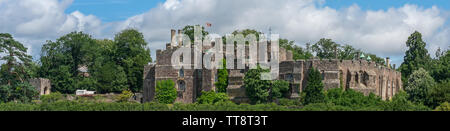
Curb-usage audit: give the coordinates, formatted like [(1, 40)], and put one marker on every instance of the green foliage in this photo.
[(440, 93), (111, 78), (17, 60), (325, 48), (263, 91), (419, 85), (124, 96), (166, 92), (351, 98), (222, 82), (189, 31), (400, 102), (279, 89), (132, 53), (22, 92), (53, 97), (297, 51), (212, 97), (314, 89), (61, 59), (440, 67), (443, 107), (256, 88), (289, 102), (416, 56), (113, 66)]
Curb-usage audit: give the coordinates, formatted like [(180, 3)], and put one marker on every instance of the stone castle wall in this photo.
[(360, 75)]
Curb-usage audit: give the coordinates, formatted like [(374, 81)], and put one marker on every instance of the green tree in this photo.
[(314, 92), (325, 48), (440, 93), (132, 53), (347, 52), (416, 56), (111, 78), (263, 91), (222, 82), (166, 92), (419, 86), (297, 51), (256, 88), (16, 58), (400, 102), (189, 31), (279, 89), (440, 67), (61, 59)]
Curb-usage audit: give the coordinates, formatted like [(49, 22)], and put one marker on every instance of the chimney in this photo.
[(357, 55), (180, 39), (172, 37), (335, 52), (394, 67), (388, 62)]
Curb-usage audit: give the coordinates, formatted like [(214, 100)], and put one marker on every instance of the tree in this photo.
[(256, 88), (189, 30), (325, 49), (440, 93), (297, 51), (419, 86), (111, 78), (222, 82), (132, 53), (279, 89), (16, 58), (262, 91), (61, 59), (165, 92), (440, 67), (347, 52), (416, 56), (21, 92), (314, 89)]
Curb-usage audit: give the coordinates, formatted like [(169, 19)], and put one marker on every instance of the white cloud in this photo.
[(383, 32), (35, 21)]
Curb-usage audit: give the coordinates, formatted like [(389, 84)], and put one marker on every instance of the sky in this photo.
[(376, 26)]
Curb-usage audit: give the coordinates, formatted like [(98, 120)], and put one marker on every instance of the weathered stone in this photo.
[(360, 75)]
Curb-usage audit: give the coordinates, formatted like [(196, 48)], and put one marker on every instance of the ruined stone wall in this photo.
[(43, 86), (360, 75)]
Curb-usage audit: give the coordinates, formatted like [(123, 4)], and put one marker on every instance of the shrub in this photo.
[(279, 89), (166, 92), (222, 82), (53, 97), (314, 90), (289, 102), (400, 103), (125, 96), (212, 97), (443, 107)]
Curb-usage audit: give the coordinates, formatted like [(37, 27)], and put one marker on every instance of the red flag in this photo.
[(208, 24)]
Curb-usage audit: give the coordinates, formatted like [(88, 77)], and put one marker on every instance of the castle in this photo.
[(360, 75)]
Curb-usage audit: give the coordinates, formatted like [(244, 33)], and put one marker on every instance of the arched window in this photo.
[(181, 85)]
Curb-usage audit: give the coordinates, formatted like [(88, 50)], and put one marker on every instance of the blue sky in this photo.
[(113, 10), (117, 10)]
